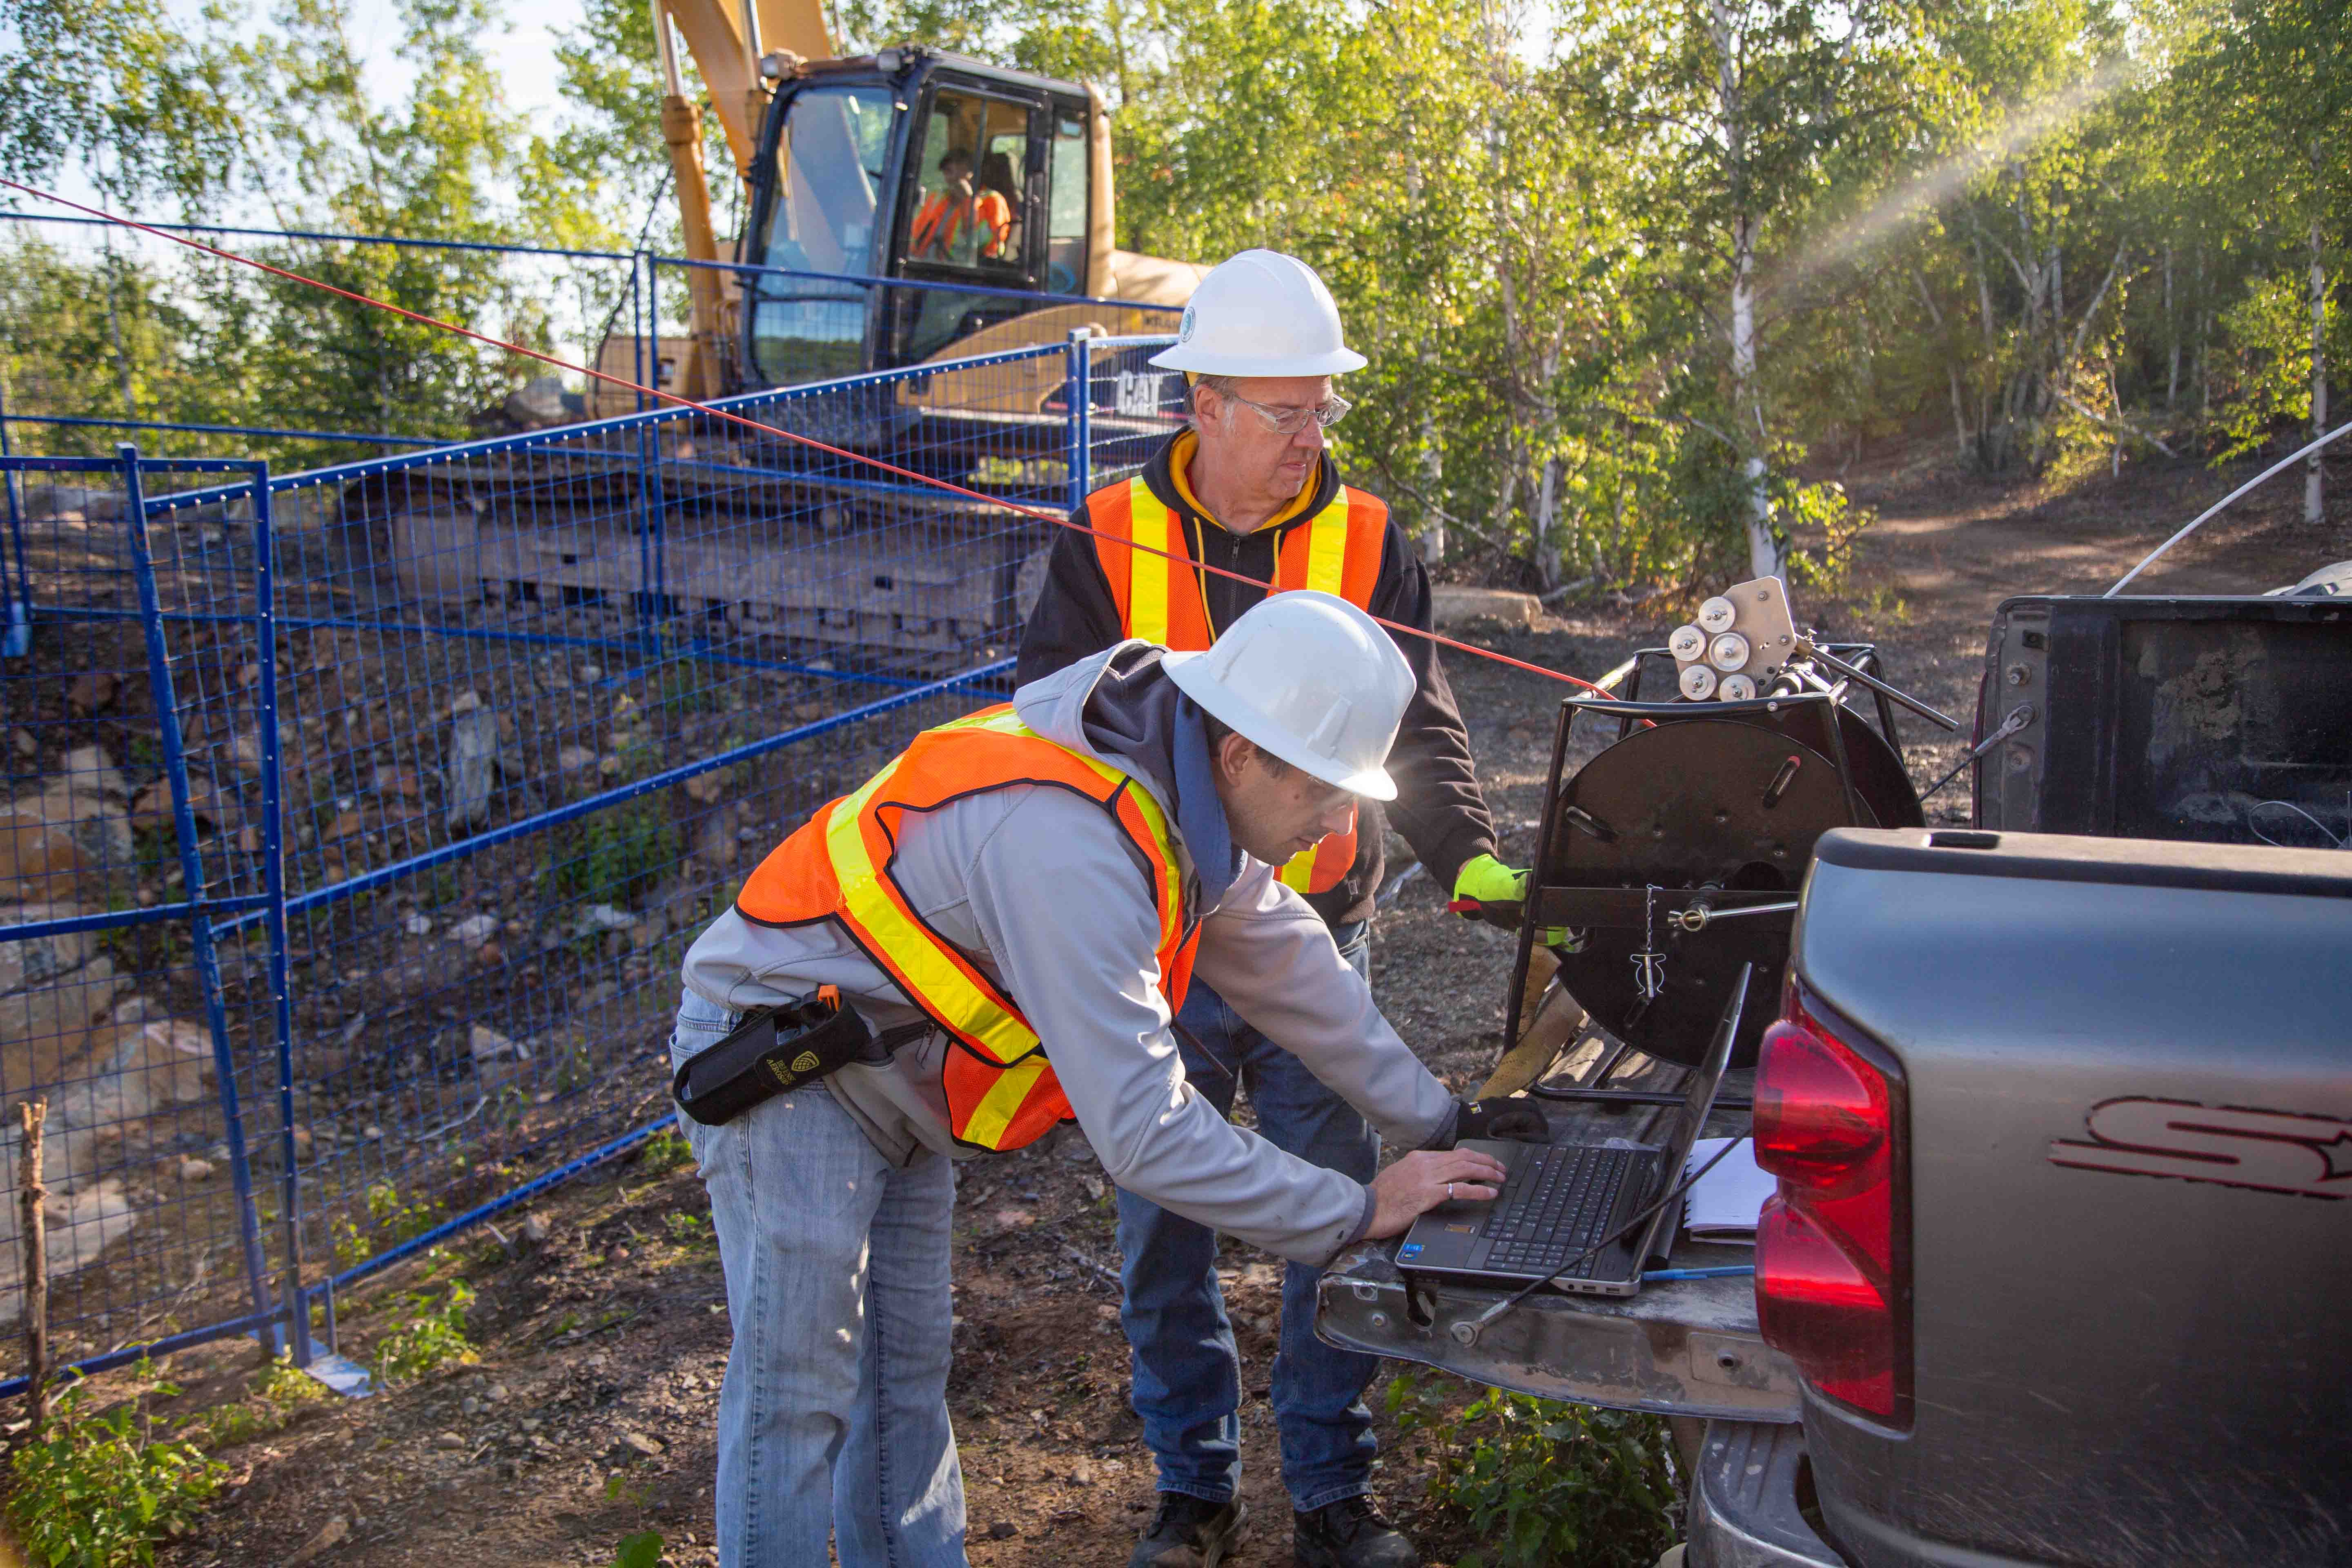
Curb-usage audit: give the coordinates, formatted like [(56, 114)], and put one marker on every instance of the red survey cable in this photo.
[(766, 430)]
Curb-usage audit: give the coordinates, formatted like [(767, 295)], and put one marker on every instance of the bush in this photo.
[(1542, 1482), (102, 1492), (434, 1336)]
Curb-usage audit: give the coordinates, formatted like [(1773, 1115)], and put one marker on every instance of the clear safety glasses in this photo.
[(1291, 421)]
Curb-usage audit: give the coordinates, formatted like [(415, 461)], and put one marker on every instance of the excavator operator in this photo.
[(958, 223)]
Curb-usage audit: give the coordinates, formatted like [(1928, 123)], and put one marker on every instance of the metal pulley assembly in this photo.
[(1678, 851)]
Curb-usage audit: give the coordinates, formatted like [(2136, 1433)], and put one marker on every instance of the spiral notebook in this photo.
[(1722, 1207)]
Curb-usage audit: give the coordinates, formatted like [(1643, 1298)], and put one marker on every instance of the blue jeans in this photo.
[(1187, 1376), (834, 1416)]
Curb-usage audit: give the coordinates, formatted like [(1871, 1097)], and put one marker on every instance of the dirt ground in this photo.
[(589, 1414)]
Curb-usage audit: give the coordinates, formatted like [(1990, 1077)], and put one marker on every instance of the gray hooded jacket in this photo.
[(1044, 891)]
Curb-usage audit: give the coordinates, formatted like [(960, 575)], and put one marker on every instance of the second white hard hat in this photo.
[(1311, 679), (1260, 313)]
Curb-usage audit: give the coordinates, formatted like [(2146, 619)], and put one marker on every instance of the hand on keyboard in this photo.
[(1418, 1182)]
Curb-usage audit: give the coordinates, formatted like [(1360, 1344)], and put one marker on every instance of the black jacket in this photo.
[(1438, 807)]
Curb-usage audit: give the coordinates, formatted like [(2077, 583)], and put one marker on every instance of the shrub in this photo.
[(102, 1491), (1541, 1481), (434, 1336)]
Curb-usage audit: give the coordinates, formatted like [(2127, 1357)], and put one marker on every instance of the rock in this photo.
[(91, 690), (419, 924), (490, 955), (572, 759), (1003, 1530), (245, 751), (475, 929), (401, 781), (714, 840), (534, 1229), (88, 769), (489, 1045), (470, 1405), (1452, 604), (542, 402), (643, 1444), (25, 746), (707, 787), (194, 1170), (496, 1393), (449, 1440), (42, 960), (44, 1027), (472, 755), (330, 1534), (1082, 1473), (1095, 1188), (347, 824), (370, 1132), (606, 917)]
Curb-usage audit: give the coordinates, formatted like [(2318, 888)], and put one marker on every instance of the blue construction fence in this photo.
[(357, 819)]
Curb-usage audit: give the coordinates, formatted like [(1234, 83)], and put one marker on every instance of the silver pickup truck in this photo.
[(2059, 1270)]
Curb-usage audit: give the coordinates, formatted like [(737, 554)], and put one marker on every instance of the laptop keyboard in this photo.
[(1556, 1206)]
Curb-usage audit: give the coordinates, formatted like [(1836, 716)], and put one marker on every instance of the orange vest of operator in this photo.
[(939, 224), (1337, 550), (1001, 1091)]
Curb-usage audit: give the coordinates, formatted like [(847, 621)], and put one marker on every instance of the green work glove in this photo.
[(1485, 880)]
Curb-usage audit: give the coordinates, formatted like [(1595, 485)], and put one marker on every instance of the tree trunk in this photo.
[(1547, 547), (1764, 554), (2172, 333), (2315, 481)]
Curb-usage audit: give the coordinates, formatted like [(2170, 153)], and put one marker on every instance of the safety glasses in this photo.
[(1291, 421)]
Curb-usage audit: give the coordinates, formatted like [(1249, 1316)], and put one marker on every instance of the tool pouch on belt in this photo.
[(772, 1050)]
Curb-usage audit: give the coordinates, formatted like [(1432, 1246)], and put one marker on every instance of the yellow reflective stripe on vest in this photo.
[(1327, 546), (1149, 523), (944, 989), (941, 986)]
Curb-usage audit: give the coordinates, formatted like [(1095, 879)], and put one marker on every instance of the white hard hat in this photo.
[(1311, 679), (1260, 313)]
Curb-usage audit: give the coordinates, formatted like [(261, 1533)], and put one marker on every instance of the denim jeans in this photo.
[(834, 1416), (1187, 1374)]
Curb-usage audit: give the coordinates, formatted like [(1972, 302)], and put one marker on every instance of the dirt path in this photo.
[(589, 1414)]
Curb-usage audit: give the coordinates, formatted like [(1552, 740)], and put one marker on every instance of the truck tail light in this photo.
[(1833, 1265)]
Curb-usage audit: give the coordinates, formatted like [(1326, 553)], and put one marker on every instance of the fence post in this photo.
[(191, 872), (32, 1199), (17, 626), (273, 877), (1081, 415), (637, 325)]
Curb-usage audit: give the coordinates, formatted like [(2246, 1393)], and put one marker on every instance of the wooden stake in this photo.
[(32, 1197)]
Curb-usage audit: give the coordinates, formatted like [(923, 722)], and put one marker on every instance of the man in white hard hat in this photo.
[(989, 937), (1249, 488)]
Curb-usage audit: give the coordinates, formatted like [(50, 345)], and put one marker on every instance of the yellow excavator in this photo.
[(865, 179), (908, 164)]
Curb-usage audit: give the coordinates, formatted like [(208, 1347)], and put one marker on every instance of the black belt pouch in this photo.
[(772, 1050)]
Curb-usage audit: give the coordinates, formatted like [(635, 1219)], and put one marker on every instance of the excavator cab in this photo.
[(920, 165)]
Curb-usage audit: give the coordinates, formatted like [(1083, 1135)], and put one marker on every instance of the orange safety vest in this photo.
[(940, 223), (1000, 1090), (1337, 550)]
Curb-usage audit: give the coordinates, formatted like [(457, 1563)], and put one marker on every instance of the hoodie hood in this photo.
[(1120, 707)]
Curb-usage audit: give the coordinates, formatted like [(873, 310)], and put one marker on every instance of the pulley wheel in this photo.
[(1696, 803)]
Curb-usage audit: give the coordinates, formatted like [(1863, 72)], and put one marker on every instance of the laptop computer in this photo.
[(1558, 1199)]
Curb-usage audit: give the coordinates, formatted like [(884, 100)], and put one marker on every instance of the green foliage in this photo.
[(664, 1151), (391, 1220), (613, 855), (102, 1491), (641, 1550), (1540, 1482), (434, 1336), (282, 1390)]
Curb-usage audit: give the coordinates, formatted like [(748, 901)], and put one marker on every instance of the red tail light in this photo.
[(1833, 1291)]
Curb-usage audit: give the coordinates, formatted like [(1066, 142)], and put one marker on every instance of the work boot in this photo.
[(1189, 1532), (1351, 1533)]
